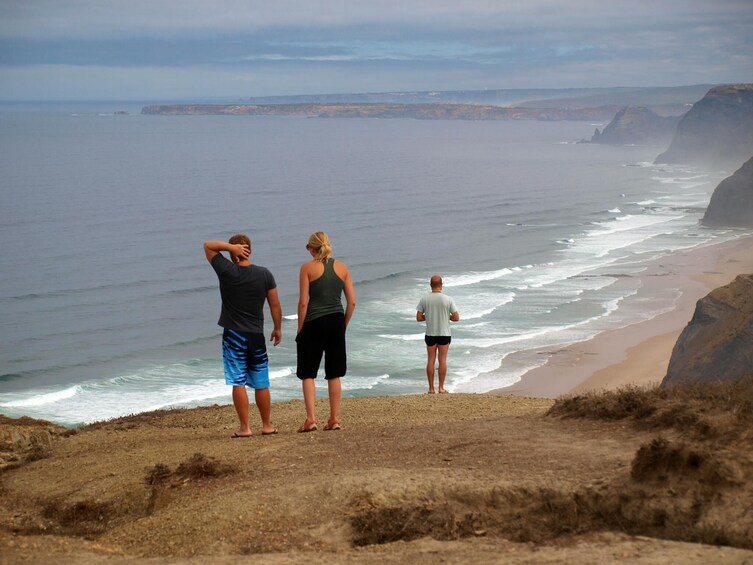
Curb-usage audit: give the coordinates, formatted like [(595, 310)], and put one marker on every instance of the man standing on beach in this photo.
[(244, 288), (437, 310)]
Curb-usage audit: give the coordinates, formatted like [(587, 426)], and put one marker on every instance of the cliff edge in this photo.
[(717, 131), (731, 203), (637, 124), (717, 343)]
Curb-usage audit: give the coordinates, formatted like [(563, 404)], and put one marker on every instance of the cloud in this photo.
[(343, 46)]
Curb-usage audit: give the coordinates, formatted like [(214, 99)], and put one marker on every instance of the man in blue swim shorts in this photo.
[(437, 310), (244, 288)]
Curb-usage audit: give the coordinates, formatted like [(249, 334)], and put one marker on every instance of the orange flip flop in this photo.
[(307, 427), (332, 425)]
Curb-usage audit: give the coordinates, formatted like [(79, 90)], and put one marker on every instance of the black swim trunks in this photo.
[(432, 340)]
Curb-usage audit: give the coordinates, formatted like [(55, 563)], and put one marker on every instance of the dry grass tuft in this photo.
[(660, 459), (199, 466), (37, 452), (158, 474), (676, 485), (82, 518), (628, 402), (407, 523), (717, 410)]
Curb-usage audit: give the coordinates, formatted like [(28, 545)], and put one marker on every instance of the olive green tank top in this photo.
[(325, 293)]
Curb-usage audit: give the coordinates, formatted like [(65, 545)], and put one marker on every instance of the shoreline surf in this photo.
[(638, 354)]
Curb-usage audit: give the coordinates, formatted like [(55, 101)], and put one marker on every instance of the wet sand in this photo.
[(639, 354)]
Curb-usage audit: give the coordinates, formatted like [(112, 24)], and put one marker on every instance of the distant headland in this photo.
[(440, 111), (597, 104)]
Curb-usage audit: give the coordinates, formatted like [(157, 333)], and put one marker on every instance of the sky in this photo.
[(155, 50)]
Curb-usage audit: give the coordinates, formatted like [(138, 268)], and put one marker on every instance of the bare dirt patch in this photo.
[(408, 479)]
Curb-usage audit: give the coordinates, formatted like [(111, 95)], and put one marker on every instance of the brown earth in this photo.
[(640, 478)]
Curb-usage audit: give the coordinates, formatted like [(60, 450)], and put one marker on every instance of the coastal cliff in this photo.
[(716, 343), (717, 131), (413, 111), (731, 203), (639, 125)]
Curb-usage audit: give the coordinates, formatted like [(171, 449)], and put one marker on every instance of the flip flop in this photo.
[(236, 435), (273, 432), (307, 427), (331, 426)]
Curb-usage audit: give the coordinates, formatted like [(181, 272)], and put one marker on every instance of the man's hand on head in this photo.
[(241, 251)]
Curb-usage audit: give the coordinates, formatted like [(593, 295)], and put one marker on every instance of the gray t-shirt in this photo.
[(437, 308), (243, 291)]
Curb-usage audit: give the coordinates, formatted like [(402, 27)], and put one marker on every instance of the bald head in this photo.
[(436, 282)]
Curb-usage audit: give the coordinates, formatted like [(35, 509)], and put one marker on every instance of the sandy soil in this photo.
[(412, 479), (639, 354)]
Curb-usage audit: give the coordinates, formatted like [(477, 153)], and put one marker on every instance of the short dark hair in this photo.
[(241, 238)]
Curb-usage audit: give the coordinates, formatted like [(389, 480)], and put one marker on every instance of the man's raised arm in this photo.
[(214, 247)]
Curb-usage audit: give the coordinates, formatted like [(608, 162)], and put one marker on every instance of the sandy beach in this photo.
[(639, 354)]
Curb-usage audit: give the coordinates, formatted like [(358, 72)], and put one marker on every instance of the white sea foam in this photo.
[(176, 385), (43, 398), (479, 305), (629, 222), (364, 383), (280, 373), (474, 278), (403, 337), (187, 395), (467, 326)]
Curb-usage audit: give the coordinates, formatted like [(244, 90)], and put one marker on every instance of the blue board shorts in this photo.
[(244, 357)]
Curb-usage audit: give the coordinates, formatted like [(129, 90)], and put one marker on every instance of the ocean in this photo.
[(109, 307)]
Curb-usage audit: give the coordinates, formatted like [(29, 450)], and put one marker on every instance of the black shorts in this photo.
[(322, 336), (432, 340)]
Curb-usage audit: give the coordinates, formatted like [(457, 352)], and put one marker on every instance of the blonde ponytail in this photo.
[(320, 243)]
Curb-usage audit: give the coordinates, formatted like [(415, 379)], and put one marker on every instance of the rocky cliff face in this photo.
[(717, 131), (732, 201), (717, 344), (636, 124)]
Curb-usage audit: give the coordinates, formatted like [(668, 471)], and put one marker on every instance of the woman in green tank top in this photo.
[(322, 321)]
